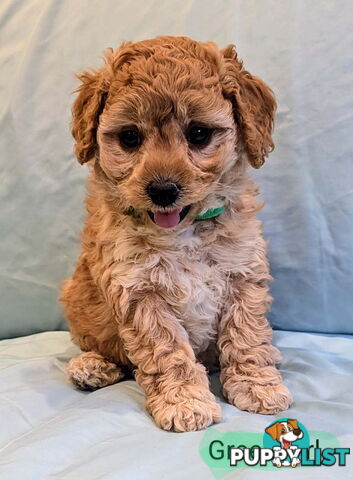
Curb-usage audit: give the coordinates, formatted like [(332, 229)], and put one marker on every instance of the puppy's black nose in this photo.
[(297, 431), (163, 193)]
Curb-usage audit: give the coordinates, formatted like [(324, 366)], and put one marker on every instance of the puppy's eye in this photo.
[(130, 138), (198, 136)]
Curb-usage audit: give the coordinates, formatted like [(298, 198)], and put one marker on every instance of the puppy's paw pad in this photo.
[(255, 398), (90, 371)]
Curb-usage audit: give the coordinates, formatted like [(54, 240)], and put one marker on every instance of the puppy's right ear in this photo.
[(86, 110), (273, 430)]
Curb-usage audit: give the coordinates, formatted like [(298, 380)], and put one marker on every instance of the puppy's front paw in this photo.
[(255, 398), (184, 408), (90, 371)]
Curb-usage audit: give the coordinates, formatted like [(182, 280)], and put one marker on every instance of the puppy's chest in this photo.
[(188, 281), (195, 290)]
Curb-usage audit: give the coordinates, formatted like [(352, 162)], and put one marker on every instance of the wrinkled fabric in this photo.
[(302, 49), (51, 431)]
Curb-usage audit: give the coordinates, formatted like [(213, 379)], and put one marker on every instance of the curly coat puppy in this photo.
[(173, 264)]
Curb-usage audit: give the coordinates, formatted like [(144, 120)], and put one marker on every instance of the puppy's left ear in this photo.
[(254, 107), (293, 423)]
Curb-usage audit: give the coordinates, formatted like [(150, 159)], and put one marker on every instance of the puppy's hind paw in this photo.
[(90, 371)]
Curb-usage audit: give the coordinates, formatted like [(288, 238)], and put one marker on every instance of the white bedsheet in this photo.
[(50, 431), (302, 49)]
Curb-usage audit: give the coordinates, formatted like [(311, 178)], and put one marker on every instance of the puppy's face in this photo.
[(164, 124), (285, 432), (166, 136)]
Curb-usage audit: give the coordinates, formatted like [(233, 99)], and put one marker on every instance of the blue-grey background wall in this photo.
[(302, 49)]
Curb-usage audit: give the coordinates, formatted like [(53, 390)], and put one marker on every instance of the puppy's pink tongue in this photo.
[(167, 219)]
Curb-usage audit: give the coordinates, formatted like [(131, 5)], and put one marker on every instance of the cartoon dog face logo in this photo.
[(285, 433)]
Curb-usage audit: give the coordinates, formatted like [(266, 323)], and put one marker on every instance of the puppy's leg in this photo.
[(90, 371), (94, 329), (248, 374), (176, 386)]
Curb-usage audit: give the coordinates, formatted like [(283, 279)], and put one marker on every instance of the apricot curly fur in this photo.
[(159, 301), (90, 371)]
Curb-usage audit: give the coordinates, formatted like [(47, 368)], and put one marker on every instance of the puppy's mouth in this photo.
[(286, 443), (169, 219)]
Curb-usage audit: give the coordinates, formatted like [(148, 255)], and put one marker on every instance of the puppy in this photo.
[(173, 264), (285, 433)]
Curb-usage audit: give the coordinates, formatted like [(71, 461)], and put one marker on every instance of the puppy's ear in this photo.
[(254, 107), (293, 423), (86, 109), (273, 430)]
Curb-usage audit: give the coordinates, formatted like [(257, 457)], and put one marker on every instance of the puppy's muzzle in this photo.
[(163, 193)]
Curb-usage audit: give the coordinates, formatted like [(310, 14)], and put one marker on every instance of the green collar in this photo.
[(210, 213)]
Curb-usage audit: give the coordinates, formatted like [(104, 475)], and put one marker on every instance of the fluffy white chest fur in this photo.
[(183, 273), (195, 291)]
